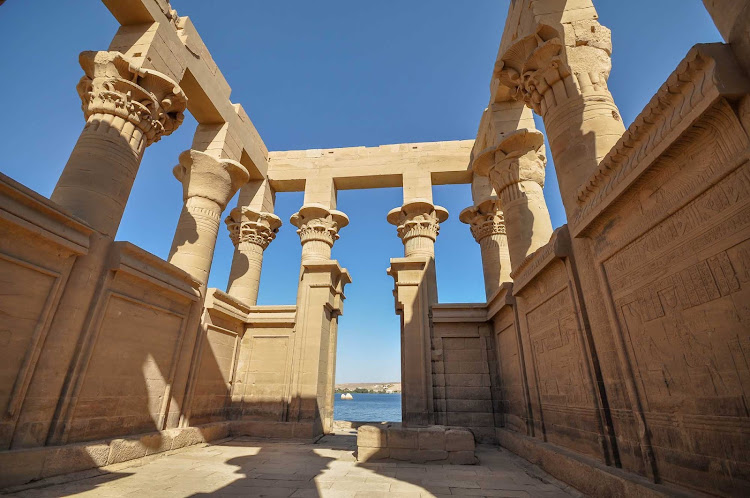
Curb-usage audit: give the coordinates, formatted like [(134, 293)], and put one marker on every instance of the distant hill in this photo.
[(383, 387)]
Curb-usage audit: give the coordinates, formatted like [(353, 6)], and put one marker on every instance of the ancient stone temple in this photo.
[(613, 352)]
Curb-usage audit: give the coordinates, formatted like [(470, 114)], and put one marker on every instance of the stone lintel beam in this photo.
[(127, 108), (516, 170), (208, 184), (371, 167), (418, 225), (318, 228), (155, 36)]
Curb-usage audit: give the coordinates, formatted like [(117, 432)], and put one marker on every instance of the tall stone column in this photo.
[(516, 170), (562, 75), (488, 228), (251, 231), (418, 225), (318, 228), (127, 108), (208, 184)]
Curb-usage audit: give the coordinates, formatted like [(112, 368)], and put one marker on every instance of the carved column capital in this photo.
[(485, 219), (418, 225), (148, 100), (247, 225), (518, 158), (203, 175), (318, 228), (315, 222), (548, 67)]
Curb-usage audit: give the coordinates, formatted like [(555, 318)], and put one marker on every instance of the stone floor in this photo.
[(261, 467)]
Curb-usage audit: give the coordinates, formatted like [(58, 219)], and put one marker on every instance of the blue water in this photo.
[(368, 408)]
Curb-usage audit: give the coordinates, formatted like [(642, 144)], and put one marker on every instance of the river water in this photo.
[(368, 408)]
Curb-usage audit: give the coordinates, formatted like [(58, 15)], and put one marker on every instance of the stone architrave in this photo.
[(127, 108), (318, 228), (516, 170), (251, 232), (208, 184), (487, 224), (418, 225), (563, 77)]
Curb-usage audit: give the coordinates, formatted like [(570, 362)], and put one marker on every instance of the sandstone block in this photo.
[(75, 458), (372, 436), (213, 432), (459, 440), (157, 442), (462, 458), (187, 436), (402, 454), (365, 454), (403, 438), (123, 450), (422, 456), (22, 466), (432, 438)]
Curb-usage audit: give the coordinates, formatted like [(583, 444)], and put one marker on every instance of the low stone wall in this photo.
[(418, 445), (23, 466), (585, 474)]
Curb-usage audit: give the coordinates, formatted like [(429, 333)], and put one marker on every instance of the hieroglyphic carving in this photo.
[(557, 352), (679, 293)]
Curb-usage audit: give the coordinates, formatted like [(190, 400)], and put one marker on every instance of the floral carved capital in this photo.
[(518, 158), (251, 226), (485, 219), (113, 85), (315, 222), (418, 219), (203, 175), (542, 71)]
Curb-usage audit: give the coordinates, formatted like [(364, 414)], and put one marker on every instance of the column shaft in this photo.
[(244, 276), (207, 183), (195, 237), (526, 218)]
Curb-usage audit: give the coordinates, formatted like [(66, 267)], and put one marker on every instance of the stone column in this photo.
[(562, 75), (251, 231), (208, 184), (418, 224), (488, 228), (127, 108), (516, 171), (318, 228)]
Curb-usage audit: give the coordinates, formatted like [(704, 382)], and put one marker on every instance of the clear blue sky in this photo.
[(332, 73)]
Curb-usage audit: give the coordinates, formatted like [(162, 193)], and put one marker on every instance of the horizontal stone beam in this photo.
[(371, 167), (155, 37)]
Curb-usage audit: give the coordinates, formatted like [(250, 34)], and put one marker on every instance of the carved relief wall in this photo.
[(678, 292)]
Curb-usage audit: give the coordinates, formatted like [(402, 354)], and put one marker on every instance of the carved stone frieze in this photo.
[(148, 100), (250, 226)]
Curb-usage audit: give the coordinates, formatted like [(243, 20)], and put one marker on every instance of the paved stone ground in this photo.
[(258, 467)]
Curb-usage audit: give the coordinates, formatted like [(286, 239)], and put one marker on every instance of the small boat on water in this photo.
[(347, 396)]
